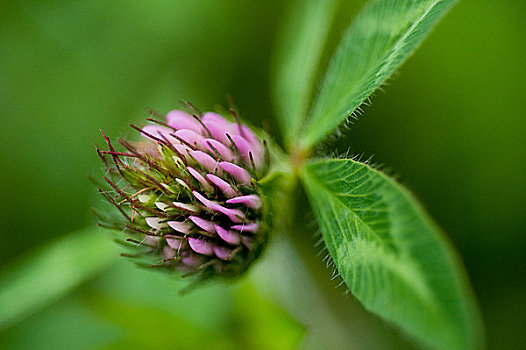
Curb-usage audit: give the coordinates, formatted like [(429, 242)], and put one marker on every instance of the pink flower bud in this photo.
[(189, 188)]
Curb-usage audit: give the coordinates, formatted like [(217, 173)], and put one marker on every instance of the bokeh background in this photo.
[(451, 125)]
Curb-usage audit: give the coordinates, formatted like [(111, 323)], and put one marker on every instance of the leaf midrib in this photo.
[(338, 199)]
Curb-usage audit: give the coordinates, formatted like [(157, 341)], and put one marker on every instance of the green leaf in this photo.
[(67, 324), (382, 36), (391, 255), (130, 308), (51, 272), (303, 36)]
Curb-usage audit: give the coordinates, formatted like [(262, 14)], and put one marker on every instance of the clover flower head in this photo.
[(187, 193)]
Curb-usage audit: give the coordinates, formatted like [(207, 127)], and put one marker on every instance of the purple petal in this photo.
[(151, 240), (203, 224), (256, 146), (207, 187), (181, 120), (247, 242), (217, 119), (154, 222), (238, 173), (252, 201), (234, 215), (242, 144), (192, 260), (160, 132), (222, 185), (157, 130), (245, 148), (169, 253), (189, 136), (206, 202), (251, 227), (228, 236), (219, 127), (248, 135), (174, 242), (200, 246), (182, 149), (183, 227), (222, 253), (217, 131), (204, 159), (258, 158), (214, 146)]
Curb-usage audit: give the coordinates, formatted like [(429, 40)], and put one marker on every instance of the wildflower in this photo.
[(187, 193)]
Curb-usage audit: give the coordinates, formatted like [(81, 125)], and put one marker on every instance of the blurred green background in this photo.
[(451, 124)]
